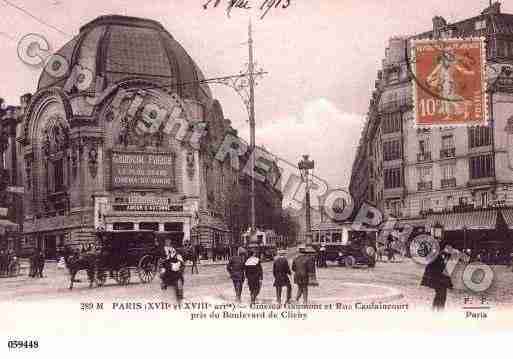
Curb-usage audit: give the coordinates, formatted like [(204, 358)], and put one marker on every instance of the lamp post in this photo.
[(305, 167)]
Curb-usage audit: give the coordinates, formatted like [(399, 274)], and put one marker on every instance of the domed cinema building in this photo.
[(110, 144)]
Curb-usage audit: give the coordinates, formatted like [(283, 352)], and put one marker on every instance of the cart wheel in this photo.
[(123, 277), (350, 261), (147, 269)]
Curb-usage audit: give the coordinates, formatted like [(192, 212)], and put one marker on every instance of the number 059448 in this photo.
[(22, 344)]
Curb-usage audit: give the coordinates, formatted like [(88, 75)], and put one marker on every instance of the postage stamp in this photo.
[(449, 85)]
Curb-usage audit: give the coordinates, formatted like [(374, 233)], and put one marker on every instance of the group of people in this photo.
[(247, 266), (37, 264), (7, 258)]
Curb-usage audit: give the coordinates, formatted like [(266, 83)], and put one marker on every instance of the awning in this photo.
[(485, 219), (508, 216), (5, 223)]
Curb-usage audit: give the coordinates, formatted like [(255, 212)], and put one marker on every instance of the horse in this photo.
[(84, 261)]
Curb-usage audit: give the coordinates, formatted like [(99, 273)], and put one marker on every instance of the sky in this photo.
[(321, 57)]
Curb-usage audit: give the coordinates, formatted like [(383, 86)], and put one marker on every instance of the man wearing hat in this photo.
[(235, 268), (281, 272), (302, 265), (435, 276), (172, 271)]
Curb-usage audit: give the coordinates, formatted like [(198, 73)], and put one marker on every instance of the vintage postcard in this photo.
[(226, 168)]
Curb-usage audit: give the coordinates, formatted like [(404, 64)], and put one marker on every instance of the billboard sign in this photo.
[(142, 170)]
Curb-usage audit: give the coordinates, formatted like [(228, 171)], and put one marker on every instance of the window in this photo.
[(392, 122), (424, 153), (392, 178), (480, 136), (448, 171), (447, 141), (395, 209), (58, 172), (483, 199), (425, 205), (424, 174), (448, 148), (449, 202), (337, 237), (123, 226), (425, 179), (482, 166), (151, 226), (448, 178), (173, 227), (392, 150), (424, 145)]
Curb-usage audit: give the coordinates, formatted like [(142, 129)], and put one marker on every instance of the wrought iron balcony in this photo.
[(425, 186), (423, 156), (448, 182), (448, 152)]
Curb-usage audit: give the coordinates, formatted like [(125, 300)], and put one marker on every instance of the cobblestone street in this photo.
[(387, 282)]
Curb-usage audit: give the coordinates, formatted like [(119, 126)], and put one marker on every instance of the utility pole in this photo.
[(252, 125)]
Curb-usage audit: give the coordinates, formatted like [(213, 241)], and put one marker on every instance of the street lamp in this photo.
[(305, 167)]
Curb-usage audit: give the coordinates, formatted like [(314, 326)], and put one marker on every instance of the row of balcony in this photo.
[(444, 153), (444, 183)]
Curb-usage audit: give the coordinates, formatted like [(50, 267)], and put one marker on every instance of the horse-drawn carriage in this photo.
[(122, 251), (116, 254)]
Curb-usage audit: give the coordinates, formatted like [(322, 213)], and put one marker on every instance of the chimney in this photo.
[(438, 24), (493, 9)]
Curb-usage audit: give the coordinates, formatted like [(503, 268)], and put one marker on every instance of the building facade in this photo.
[(122, 134), (409, 172)]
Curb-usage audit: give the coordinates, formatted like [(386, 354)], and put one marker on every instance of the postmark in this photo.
[(449, 83)]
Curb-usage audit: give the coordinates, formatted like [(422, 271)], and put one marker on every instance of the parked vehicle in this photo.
[(344, 245), (263, 243)]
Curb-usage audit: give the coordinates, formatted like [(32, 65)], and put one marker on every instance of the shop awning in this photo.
[(508, 216), (486, 219), (5, 223)]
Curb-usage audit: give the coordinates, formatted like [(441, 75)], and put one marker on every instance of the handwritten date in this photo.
[(264, 8)]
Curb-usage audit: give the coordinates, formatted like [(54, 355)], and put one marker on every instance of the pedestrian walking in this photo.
[(302, 266), (235, 268), (281, 272), (33, 263), (322, 254), (194, 259), (3, 263), (254, 274), (172, 271), (435, 277), (40, 263)]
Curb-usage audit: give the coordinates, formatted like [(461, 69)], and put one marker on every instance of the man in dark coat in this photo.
[(3, 262), (172, 272), (436, 278), (302, 266), (235, 268), (40, 264), (281, 272), (254, 273)]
